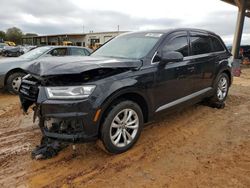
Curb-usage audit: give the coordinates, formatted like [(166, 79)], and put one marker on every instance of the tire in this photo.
[(124, 133), (221, 88), (13, 82)]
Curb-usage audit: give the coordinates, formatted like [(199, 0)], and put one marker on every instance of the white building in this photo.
[(85, 39)]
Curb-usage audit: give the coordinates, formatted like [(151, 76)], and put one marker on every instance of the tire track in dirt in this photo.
[(16, 141)]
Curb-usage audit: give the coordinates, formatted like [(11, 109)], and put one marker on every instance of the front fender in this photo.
[(120, 88), (115, 89)]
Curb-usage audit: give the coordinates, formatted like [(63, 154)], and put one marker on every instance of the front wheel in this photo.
[(221, 91), (122, 127), (14, 81)]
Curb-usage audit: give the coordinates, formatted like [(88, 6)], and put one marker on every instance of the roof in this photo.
[(167, 31), (72, 34), (233, 2)]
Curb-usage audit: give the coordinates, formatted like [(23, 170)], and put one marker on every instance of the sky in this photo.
[(78, 16)]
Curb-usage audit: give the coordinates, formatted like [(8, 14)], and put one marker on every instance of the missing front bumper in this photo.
[(67, 130)]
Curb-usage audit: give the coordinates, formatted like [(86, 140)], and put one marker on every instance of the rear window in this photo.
[(216, 44), (200, 45), (79, 51)]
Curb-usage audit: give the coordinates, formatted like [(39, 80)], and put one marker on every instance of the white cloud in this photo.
[(178, 9), (29, 18), (62, 16)]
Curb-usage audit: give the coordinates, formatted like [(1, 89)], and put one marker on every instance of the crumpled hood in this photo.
[(77, 64)]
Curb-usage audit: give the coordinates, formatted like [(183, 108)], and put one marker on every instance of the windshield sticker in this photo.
[(153, 35)]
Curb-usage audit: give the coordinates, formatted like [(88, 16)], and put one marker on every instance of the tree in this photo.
[(2, 36), (14, 34)]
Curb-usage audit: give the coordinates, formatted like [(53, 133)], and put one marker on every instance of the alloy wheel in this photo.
[(124, 127), (222, 88)]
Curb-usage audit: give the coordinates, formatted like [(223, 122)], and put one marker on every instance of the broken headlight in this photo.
[(69, 92)]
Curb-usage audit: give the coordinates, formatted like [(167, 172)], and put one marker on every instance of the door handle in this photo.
[(190, 68)]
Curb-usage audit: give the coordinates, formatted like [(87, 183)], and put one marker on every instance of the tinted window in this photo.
[(58, 52), (217, 46), (200, 45), (78, 51), (179, 44)]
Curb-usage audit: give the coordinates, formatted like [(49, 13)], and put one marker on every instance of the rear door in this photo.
[(203, 60)]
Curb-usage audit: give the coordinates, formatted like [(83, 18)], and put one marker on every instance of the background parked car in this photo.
[(12, 51), (2, 45), (12, 69)]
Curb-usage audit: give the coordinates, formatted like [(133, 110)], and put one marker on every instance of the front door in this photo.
[(174, 81)]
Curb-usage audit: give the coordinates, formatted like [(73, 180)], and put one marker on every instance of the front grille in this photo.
[(29, 88)]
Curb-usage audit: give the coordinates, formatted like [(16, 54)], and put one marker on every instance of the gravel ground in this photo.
[(197, 147)]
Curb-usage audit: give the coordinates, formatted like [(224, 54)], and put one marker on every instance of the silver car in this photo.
[(2, 45), (12, 69)]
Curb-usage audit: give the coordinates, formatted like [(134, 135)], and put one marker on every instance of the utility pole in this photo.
[(118, 28)]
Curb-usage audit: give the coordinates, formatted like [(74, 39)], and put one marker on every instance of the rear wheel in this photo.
[(14, 81), (122, 127), (221, 91)]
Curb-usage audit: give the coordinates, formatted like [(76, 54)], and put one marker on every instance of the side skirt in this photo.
[(183, 99)]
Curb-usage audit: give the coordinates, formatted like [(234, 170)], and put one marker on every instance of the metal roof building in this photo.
[(78, 39)]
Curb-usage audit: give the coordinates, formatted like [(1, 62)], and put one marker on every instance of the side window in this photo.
[(179, 44), (58, 52), (78, 51), (200, 45), (216, 44)]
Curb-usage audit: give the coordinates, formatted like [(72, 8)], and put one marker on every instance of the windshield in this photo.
[(134, 46), (33, 54)]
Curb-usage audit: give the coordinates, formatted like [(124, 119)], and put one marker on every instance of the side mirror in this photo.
[(172, 56)]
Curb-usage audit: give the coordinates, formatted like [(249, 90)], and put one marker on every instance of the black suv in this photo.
[(125, 83)]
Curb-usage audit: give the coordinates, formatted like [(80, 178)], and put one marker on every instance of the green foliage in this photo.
[(14, 34), (2, 35)]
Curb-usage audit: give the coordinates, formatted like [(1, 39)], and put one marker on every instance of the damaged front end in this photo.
[(28, 92), (63, 113), (67, 96), (61, 117)]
